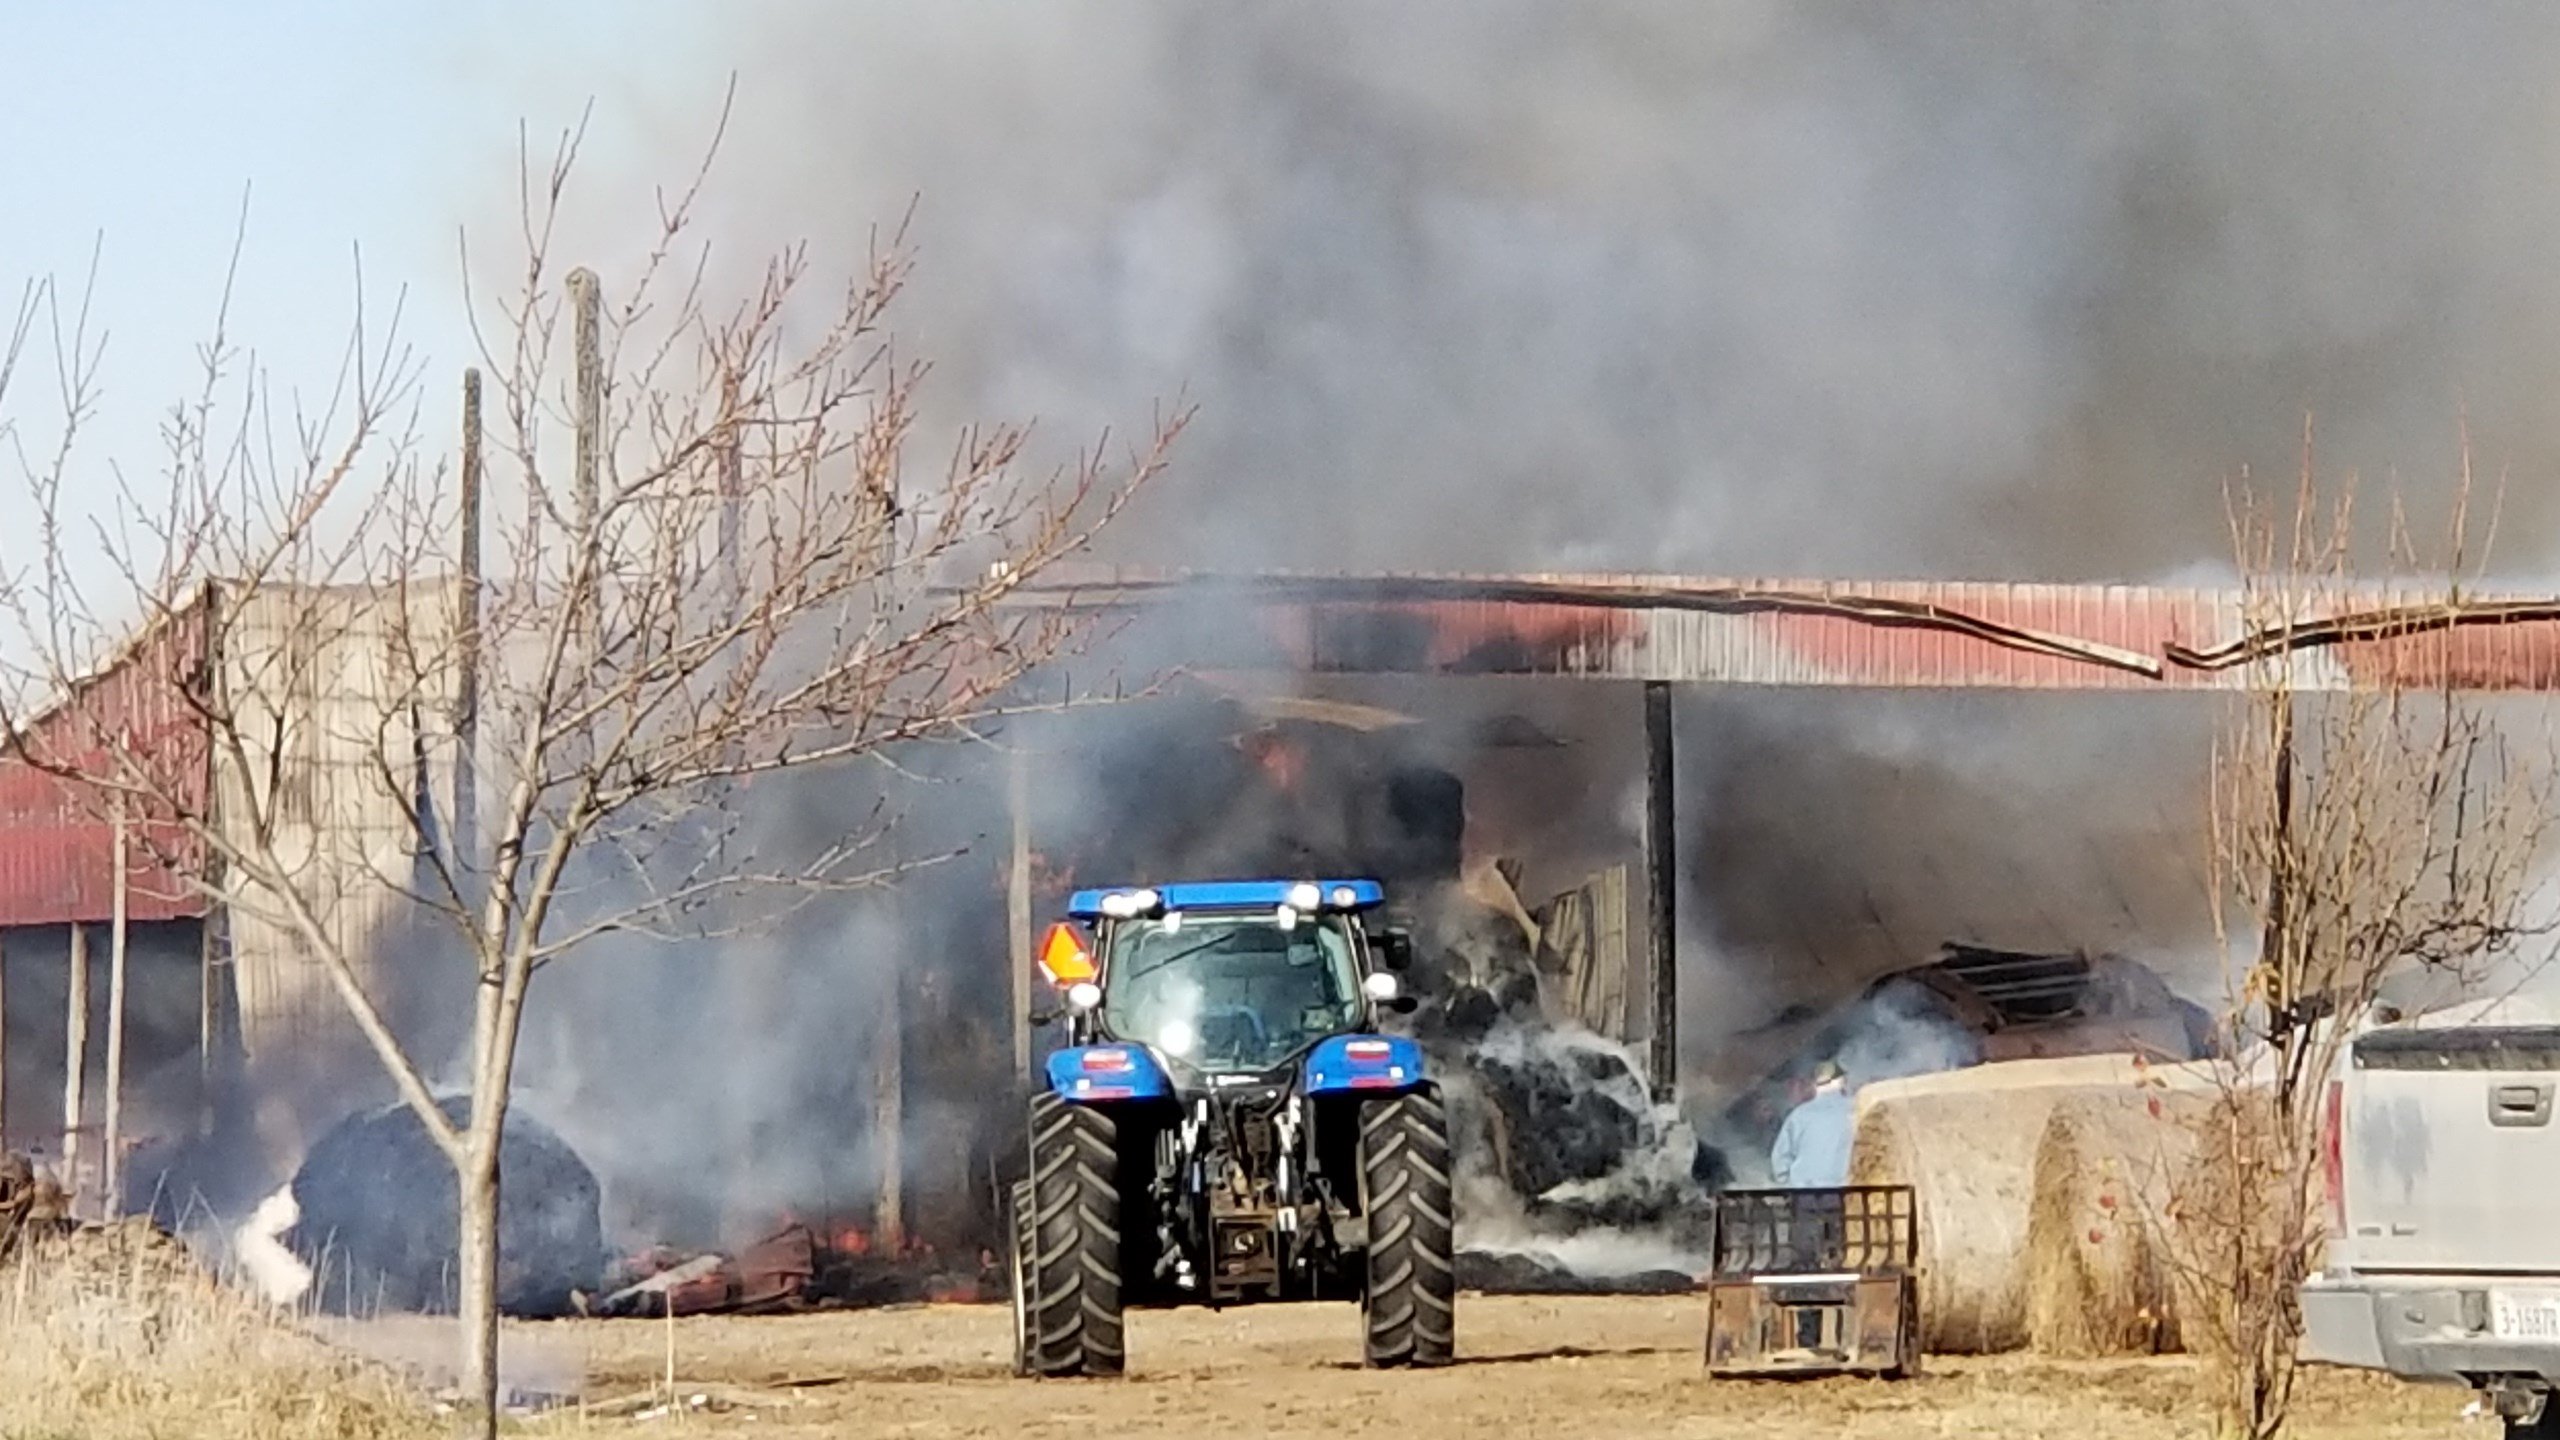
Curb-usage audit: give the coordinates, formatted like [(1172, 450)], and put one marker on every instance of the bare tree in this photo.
[(2372, 819), (733, 573)]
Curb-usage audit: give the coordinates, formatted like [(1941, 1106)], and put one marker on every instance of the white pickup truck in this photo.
[(2443, 1166)]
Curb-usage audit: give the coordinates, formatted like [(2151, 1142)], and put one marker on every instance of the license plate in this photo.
[(2524, 1315)]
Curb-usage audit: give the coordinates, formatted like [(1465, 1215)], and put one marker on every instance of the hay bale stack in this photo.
[(1965, 1141), (2102, 1278), (1968, 1157)]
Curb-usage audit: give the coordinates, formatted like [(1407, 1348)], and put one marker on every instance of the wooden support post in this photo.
[(889, 1101), (75, 1060), (4, 1047), (1662, 885), (205, 949), (1017, 905), (111, 1157)]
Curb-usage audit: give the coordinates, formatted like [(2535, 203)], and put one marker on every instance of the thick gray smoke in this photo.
[(1997, 290), (1989, 289)]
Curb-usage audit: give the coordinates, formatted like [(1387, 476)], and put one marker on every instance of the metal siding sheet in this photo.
[(318, 668)]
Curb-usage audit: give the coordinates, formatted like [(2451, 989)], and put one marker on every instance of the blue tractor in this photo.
[(1226, 1125)]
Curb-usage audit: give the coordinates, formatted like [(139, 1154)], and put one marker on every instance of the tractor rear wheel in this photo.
[(1075, 1259), (1408, 1306), (1020, 1228)]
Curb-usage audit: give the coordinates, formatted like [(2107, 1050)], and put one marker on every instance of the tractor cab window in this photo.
[(1230, 993)]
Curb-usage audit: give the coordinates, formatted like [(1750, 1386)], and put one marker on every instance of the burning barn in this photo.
[(1631, 942)]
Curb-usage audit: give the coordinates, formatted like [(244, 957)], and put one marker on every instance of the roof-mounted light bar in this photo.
[(1304, 896)]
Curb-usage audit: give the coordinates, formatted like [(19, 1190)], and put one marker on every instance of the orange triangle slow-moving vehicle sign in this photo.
[(1064, 957)]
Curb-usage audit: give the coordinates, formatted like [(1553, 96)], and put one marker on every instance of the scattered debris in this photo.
[(30, 1202), (792, 1270)]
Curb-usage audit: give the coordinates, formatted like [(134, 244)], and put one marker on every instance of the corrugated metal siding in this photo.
[(1791, 649), (56, 850), (322, 674), (1317, 623)]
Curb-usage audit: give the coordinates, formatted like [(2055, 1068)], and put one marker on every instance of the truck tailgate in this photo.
[(2451, 1155)]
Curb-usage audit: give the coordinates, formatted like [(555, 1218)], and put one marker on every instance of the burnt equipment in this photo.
[(1814, 1282), (1228, 1126)]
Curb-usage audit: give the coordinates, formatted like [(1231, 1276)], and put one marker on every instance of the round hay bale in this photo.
[(2236, 1225), (1968, 1155), (2101, 1274)]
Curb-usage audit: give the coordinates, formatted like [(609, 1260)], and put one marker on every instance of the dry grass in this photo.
[(2101, 1279), (117, 1335)]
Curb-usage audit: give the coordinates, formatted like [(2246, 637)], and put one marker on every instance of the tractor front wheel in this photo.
[(1408, 1305), (1073, 1304)]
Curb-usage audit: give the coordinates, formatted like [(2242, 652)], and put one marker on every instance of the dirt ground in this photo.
[(1556, 1369)]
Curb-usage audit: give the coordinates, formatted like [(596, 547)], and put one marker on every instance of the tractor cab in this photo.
[(1226, 983)]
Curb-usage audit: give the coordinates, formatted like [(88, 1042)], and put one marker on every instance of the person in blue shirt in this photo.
[(1812, 1152)]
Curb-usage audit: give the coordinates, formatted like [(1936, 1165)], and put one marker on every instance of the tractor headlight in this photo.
[(1177, 1037), (1119, 906), (1084, 994), (1304, 896), (1379, 986), (1344, 897)]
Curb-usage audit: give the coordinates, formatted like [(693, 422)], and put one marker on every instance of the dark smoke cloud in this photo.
[(1995, 289)]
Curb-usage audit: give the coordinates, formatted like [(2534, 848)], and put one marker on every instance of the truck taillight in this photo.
[(2333, 1167)]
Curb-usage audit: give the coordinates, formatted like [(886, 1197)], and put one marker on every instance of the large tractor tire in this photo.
[(1075, 1257), (1408, 1306), (1020, 1232)]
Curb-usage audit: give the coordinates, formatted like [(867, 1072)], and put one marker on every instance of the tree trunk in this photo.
[(477, 1194)]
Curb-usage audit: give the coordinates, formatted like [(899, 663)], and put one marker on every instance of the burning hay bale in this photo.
[(2102, 1275), (376, 1219), (1968, 1154)]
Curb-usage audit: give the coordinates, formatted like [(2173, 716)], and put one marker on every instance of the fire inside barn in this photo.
[(1474, 737)]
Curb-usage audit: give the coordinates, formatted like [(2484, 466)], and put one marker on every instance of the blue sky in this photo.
[(137, 126)]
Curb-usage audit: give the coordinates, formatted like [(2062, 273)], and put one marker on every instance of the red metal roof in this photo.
[(57, 847)]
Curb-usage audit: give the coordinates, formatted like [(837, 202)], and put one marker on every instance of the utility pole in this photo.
[(732, 487), (466, 690), (111, 1164), (587, 322)]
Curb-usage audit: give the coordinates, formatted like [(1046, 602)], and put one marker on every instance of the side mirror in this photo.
[(1395, 949)]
